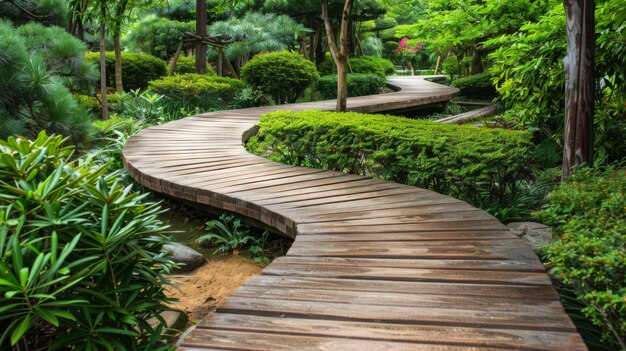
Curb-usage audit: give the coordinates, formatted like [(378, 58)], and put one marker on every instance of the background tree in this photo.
[(339, 53)]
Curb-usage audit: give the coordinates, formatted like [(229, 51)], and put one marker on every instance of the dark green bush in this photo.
[(80, 254), (358, 85), (284, 75), (364, 64), (386, 64), (451, 159), (187, 64), (476, 86), (588, 213), (137, 69)]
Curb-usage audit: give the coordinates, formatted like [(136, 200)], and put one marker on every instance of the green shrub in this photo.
[(588, 213), (191, 86), (80, 254), (451, 66), (476, 86), (226, 234), (283, 75), (137, 69), (358, 85), (386, 64), (187, 64), (366, 66), (455, 160)]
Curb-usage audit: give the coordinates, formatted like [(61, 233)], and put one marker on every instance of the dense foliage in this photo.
[(358, 85), (138, 69), (187, 64), (589, 216), (158, 36), (39, 68), (476, 86), (80, 254), (284, 75), (481, 166), (200, 90), (528, 70)]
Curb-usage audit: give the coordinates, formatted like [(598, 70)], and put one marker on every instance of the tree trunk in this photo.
[(172, 68), (411, 68), (119, 87), (340, 54), (477, 61), (103, 72), (438, 63), (201, 47), (579, 84)]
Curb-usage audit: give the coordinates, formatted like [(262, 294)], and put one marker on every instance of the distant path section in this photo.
[(375, 265)]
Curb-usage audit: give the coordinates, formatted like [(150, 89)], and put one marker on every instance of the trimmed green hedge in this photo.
[(364, 64), (187, 64), (479, 165), (192, 86), (358, 85), (284, 75), (588, 213), (137, 69), (476, 86)]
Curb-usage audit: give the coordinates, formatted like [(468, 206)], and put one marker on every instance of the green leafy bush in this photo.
[(137, 69), (451, 159), (476, 86), (80, 254), (588, 213), (39, 67), (158, 36), (386, 64), (366, 66), (198, 89), (358, 85), (451, 66), (226, 234), (187, 64), (283, 75)]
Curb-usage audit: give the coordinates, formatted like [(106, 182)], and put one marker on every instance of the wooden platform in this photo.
[(375, 265)]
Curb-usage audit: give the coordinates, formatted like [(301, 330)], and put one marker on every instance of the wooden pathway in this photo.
[(375, 265)]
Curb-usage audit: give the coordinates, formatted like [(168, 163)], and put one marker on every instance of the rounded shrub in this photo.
[(283, 75), (358, 85), (384, 63), (451, 66), (137, 69), (191, 85), (158, 36), (187, 64), (80, 254)]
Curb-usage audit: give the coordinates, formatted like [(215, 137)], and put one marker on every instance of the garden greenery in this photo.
[(588, 213), (137, 69), (158, 36), (358, 85), (478, 165), (476, 86), (283, 75), (81, 254), (200, 90)]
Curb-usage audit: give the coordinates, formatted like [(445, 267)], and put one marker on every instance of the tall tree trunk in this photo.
[(117, 25), (201, 46), (119, 87), (103, 70), (340, 54), (579, 84)]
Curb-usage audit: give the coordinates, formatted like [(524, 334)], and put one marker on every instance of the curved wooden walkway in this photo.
[(375, 265)]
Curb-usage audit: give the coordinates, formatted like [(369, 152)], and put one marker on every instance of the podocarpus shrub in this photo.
[(283, 75), (137, 69), (358, 85), (366, 66), (476, 86), (200, 89), (80, 254), (386, 64), (588, 214), (455, 160)]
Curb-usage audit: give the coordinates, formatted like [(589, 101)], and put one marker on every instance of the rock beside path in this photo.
[(189, 258), (536, 234)]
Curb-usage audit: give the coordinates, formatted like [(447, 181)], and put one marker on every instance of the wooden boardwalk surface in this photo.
[(375, 265)]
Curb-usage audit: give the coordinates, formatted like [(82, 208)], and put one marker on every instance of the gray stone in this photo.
[(536, 234), (189, 258), (184, 334)]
